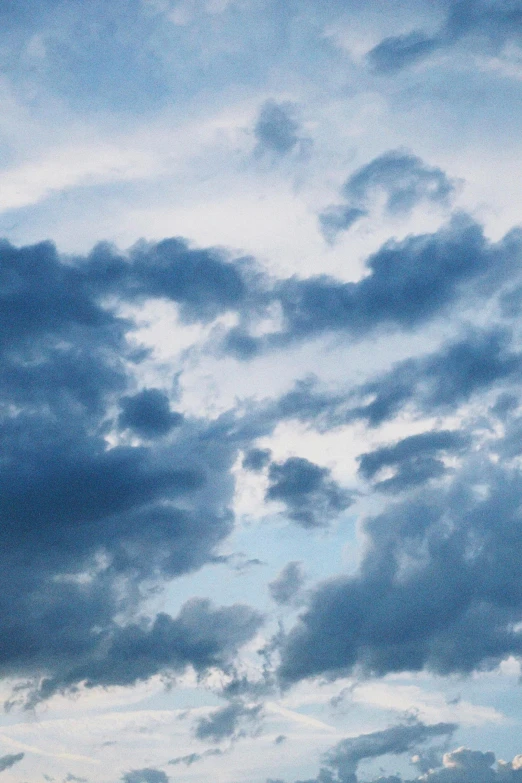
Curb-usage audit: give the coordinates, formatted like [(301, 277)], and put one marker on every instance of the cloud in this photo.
[(148, 413), (312, 498), (448, 377), (201, 281), (257, 459), (147, 775), (408, 283), (224, 722), (96, 521), (396, 52), (437, 588), (276, 129), (287, 585), (201, 636), (415, 459), (341, 761), (482, 23), (404, 179), (192, 758), (468, 766), (6, 762)]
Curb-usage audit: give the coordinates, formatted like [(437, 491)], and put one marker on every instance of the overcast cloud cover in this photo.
[(260, 391)]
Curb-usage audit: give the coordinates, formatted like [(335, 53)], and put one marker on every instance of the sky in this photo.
[(260, 391)]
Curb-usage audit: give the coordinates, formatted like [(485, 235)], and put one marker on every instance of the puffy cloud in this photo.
[(312, 498), (256, 459), (201, 636), (201, 281), (404, 179), (396, 52), (470, 766)]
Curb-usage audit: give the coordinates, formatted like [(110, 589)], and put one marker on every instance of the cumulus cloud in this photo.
[(460, 368), (470, 766), (94, 522), (257, 459)]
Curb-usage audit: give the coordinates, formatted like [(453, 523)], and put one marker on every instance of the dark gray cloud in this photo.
[(201, 636), (312, 498), (404, 179), (148, 413), (276, 129), (288, 583), (84, 526), (415, 459), (6, 762), (147, 775), (483, 24), (225, 723), (202, 282)]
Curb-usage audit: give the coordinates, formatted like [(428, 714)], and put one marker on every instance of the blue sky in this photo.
[(260, 366)]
